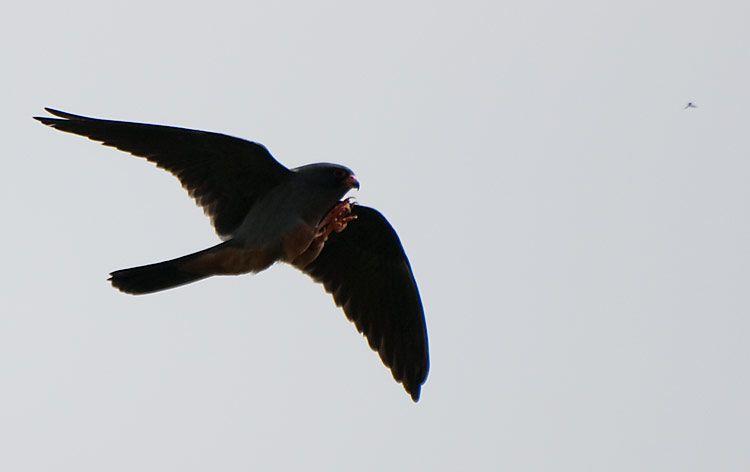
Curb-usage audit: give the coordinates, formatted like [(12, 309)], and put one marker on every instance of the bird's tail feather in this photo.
[(164, 275)]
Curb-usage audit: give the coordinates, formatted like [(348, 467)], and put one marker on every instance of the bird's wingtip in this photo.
[(61, 114), (413, 390), (45, 120)]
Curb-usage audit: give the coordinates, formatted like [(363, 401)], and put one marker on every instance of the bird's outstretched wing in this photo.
[(225, 175), (368, 273)]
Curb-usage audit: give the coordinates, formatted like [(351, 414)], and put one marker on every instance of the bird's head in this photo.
[(331, 177)]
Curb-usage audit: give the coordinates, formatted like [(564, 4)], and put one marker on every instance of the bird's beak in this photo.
[(352, 182)]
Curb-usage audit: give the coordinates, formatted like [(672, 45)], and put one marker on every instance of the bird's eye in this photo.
[(339, 173)]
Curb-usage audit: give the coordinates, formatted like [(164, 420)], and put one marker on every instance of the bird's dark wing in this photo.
[(366, 270), (225, 175)]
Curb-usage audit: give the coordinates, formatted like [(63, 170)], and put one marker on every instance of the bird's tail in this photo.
[(218, 260), (155, 277)]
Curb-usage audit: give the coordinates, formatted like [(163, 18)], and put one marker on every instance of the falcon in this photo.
[(265, 213)]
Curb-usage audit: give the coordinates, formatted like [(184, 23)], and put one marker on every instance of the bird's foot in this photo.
[(337, 219)]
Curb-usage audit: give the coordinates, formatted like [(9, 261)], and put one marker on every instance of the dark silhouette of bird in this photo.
[(266, 213), (690, 105)]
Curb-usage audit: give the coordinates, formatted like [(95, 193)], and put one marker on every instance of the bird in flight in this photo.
[(690, 105), (266, 213)]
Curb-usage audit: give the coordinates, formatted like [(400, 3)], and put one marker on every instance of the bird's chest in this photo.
[(283, 215)]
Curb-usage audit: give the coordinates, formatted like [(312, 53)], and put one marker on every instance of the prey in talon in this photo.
[(337, 219)]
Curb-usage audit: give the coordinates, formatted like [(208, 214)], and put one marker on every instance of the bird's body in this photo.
[(262, 226), (284, 239), (690, 105), (282, 226), (266, 213)]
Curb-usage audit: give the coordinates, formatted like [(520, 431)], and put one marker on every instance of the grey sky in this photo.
[(579, 239)]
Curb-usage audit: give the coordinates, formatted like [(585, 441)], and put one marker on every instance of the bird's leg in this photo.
[(336, 219), (342, 208)]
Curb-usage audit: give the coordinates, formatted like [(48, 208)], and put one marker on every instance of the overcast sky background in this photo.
[(580, 240)]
